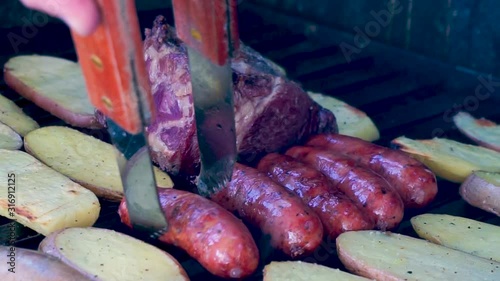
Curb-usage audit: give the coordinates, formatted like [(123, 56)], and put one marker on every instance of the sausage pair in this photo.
[(371, 193), (222, 244), (336, 211), (415, 183)]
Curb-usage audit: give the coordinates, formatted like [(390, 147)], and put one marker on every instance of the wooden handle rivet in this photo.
[(97, 61), (196, 34), (107, 102)]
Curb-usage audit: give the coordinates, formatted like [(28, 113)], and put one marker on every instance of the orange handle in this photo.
[(113, 64), (203, 25)]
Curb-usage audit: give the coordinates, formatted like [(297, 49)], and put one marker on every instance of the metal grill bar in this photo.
[(390, 89)]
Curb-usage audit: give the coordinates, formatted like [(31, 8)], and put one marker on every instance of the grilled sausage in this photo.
[(337, 212), (218, 240), (292, 226), (370, 191), (415, 183)]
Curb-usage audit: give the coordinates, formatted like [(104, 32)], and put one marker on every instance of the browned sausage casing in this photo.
[(415, 183), (337, 212), (218, 240), (293, 226), (371, 192)]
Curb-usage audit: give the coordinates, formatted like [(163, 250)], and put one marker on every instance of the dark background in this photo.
[(461, 32)]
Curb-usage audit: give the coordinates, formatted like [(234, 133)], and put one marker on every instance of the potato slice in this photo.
[(484, 132), (13, 116), (351, 121), (54, 84), (482, 190), (83, 158), (303, 271), (106, 255), (32, 265), (449, 159), (163, 180), (9, 139), (388, 256), (43, 199), (466, 235)]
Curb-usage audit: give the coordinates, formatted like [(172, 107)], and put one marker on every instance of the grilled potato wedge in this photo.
[(351, 121), (23, 264), (41, 198), (9, 139), (54, 84), (388, 256), (87, 160), (448, 159), (106, 255), (484, 132), (466, 235), (13, 116), (482, 190), (303, 271)]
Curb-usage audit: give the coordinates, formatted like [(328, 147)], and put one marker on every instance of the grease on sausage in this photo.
[(368, 190)]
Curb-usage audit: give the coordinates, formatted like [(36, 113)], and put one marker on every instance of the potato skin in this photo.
[(50, 247), (213, 236), (37, 266), (476, 129), (294, 228), (481, 194), (72, 118), (337, 212), (416, 184), (372, 193)]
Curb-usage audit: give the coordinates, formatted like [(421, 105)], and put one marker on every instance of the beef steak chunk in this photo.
[(271, 112)]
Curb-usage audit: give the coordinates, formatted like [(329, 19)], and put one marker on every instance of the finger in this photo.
[(82, 16)]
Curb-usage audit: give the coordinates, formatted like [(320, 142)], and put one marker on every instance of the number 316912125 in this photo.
[(11, 193)]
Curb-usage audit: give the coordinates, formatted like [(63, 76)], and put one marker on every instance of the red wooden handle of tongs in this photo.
[(113, 64), (203, 25)]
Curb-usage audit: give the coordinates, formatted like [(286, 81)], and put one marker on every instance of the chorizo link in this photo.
[(292, 225), (218, 240)]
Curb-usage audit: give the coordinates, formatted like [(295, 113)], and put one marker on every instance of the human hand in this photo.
[(82, 16)]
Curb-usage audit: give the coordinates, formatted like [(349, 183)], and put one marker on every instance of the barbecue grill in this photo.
[(403, 92)]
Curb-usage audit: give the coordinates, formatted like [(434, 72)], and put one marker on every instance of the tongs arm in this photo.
[(113, 64), (209, 30)]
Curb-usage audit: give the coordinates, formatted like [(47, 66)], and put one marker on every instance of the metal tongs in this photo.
[(113, 64), (209, 29)]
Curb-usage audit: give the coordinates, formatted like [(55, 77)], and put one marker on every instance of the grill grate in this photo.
[(403, 93)]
